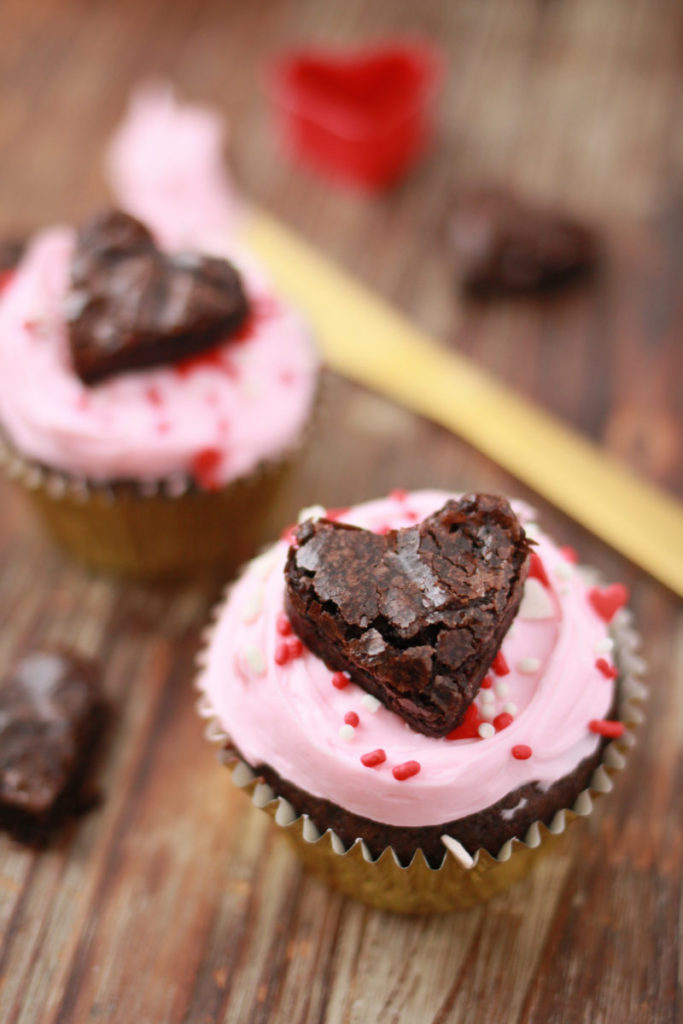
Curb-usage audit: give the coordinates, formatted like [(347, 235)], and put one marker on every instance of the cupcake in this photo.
[(422, 690), (153, 389)]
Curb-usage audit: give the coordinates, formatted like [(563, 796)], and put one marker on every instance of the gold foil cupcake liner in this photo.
[(155, 529), (462, 880)]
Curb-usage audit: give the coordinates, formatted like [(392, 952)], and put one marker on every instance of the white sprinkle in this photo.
[(255, 659), (511, 632), (564, 590), (528, 666), (487, 711), (265, 563), (253, 606), (531, 530), (564, 571), (486, 730), (536, 601), (347, 732), (487, 696), (510, 708), (370, 703), (604, 646), (313, 512), (502, 688)]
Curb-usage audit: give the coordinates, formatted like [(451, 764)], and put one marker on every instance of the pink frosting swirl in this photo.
[(292, 717)]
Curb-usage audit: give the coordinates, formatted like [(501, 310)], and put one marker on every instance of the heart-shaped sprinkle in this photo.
[(607, 601), (132, 306), (416, 616)]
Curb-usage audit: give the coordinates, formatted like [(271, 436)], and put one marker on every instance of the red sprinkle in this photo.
[(163, 427), (153, 396), (521, 751), (605, 728), (502, 720), (404, 771), (398, 494), (467, 730), (384, 529), (295, 647), (411, 516), (204, 467), (288, 533), (486, 683), (608, 671), (5, 278), (569, 554), (537, 569), (283, 625), (337, 513), (608, 600), (351, 718), (373, 758), (281, 654), (211, 358), (340, 681), (500, 665)]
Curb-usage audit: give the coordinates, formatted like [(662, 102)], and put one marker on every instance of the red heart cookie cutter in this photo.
[(361, 117)]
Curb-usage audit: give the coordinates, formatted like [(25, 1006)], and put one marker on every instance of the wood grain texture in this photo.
[(174, 902)]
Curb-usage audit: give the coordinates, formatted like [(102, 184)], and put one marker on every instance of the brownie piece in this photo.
[(500, 243), (488, 829), (415, 616), (132, 306), (51, 712)]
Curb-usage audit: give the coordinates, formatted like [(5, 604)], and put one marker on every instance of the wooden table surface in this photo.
[(175, 901)]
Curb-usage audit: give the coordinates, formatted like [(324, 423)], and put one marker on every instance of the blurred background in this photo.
[(577, 104)]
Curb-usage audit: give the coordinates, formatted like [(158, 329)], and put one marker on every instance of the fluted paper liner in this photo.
[(462, 880), (159, 528)]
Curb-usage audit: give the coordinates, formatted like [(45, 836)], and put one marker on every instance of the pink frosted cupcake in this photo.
[(469, 685), (153, 389)]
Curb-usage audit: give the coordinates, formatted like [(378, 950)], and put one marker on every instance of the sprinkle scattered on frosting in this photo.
[(608, 671), (253, 606), (370, 703), (528, 665), (603, 727), (502, 720), (373, 758), (607, 601), (521, 751), (404, 771), (283, 625), (255, 659), (604, 646), (500, 665), (537, 569)]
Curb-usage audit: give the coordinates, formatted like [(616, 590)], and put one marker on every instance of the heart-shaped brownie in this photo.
[(415, 616), (132, 306)]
